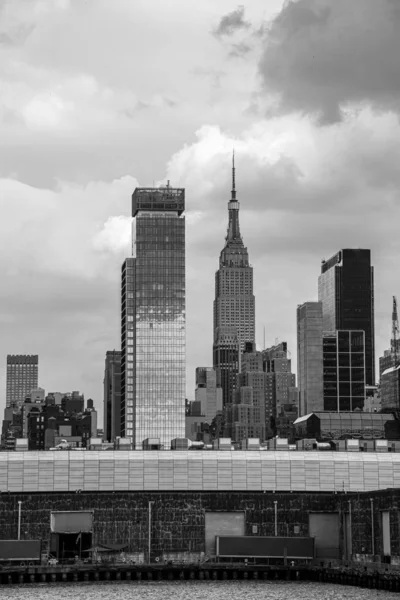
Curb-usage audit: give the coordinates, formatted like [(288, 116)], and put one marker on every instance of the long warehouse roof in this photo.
[(201, 471)]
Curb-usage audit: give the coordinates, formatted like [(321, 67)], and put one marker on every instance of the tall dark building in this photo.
[(153, 360), (234, 304), (22, 377), (346, 290), (344, 371), (112, 395)]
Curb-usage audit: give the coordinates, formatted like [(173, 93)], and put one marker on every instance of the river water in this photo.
[(192, 590)]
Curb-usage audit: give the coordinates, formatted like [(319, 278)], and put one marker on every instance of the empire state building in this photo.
[(234, 304)]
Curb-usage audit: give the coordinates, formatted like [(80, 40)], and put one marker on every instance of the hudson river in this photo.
[(196, 590)]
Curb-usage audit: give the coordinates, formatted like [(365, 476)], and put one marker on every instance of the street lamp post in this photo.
[(276, 517), (19, 519), (372, 529), (150, 503)]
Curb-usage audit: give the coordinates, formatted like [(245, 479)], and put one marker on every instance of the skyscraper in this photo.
[(208, 394), (309, 357), (346, 290), (153, 362), (344, 370), (277, 362), (245, 417), (112, 395), (234, 304), (22, 377)]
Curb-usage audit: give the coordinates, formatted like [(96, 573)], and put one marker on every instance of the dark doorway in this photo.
[(73, 545)]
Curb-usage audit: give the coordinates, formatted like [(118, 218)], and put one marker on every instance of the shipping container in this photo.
[(265, 547), (20, 550)]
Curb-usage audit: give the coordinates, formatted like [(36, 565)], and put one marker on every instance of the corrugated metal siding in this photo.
[(202, 471)]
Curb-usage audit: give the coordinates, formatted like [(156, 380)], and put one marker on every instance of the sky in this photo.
[(99, 97)]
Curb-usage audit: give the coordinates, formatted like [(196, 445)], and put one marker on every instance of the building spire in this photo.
[(233, 197), (233, 209)]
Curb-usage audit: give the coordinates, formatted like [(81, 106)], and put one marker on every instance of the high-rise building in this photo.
[(208, 393), (22, 377), (309, 357), (277, 362), (344, 370), (282, 397), (234, 304), (245, 416), (346, 290), (153, 358), (128, 347), (112, 395), (207, 405)]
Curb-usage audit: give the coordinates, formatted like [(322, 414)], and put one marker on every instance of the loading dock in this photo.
[(71, 534)]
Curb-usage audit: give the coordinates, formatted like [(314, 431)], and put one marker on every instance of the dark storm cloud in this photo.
[(232, 22), (321, 55)]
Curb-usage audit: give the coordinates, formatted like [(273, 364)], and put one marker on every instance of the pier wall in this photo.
[(178, 519)]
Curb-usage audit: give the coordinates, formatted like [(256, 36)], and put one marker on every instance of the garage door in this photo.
[(222, 523), (325, 529)]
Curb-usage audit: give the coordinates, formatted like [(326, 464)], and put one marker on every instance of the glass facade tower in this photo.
[(234, 304), (344, 370), (346, 290), (153, 362)]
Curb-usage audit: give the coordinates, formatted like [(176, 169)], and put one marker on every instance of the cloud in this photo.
[(240, 50), (115, 236), (231, 23), (320, 56), (19, 21)]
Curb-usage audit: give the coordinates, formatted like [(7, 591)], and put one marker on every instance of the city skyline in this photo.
[(316, 172)]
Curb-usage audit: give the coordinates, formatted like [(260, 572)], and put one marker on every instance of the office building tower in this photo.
[(282, 398), (245, 417), (309, 357), (154, 321), (234, 304), (112, 396), (344, 370), (208, 393), (277, 362), (128, 347), (22, 377), (201, 413), (346, 290)]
